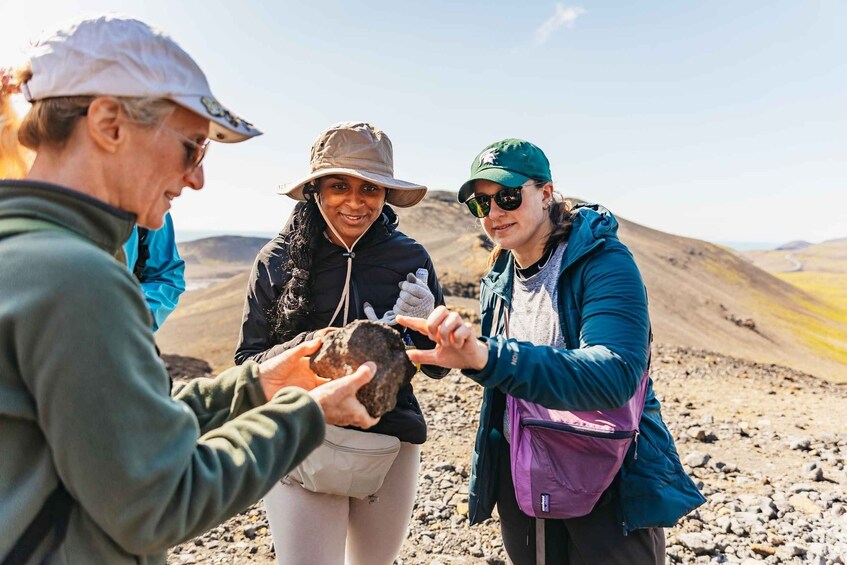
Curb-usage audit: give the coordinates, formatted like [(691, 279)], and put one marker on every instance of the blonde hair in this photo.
[(14, 163)]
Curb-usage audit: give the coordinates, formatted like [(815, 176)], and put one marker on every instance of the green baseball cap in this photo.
[(510, 162)]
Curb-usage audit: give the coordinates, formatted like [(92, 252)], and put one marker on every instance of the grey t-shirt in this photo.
[(533, 315)]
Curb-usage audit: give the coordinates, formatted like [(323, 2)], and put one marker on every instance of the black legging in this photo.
[(595, 538)]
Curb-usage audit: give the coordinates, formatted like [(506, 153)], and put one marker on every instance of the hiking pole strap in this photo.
[(540, 546)]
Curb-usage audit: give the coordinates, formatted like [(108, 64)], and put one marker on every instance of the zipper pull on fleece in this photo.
[(635, 457)]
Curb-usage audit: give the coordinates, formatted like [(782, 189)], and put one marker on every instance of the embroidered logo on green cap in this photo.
[(488, 157), (510, 162)]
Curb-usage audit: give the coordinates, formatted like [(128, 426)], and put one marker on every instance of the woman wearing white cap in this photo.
[(339, 259), (99, 463)]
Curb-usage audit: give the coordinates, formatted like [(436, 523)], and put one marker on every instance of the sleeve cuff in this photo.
[(482, 375)]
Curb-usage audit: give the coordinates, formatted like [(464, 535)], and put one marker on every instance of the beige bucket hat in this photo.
[(360, 150)]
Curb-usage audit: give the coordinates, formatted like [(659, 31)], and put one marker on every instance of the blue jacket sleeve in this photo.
[(163, 276), (606, 368)]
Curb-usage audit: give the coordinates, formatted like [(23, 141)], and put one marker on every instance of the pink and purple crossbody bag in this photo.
[(563, 461)]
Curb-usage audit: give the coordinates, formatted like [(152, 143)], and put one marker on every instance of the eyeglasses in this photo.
[(194, 152), (508, 199)]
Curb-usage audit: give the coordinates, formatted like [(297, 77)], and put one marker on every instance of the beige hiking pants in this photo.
[(309, 528)]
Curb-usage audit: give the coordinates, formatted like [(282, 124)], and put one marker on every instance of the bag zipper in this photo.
[(535, 423), (635, 441)]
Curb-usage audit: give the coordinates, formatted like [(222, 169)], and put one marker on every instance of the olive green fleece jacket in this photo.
[(84, 399)]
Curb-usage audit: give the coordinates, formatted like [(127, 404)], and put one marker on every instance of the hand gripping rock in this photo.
[(345, 349)]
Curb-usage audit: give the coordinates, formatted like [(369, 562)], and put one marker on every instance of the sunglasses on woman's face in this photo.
[(194, 152), (507, 199)]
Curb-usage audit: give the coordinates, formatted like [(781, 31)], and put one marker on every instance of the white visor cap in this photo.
[(114, 55)]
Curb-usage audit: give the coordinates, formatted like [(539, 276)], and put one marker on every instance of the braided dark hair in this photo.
[(295, 303)]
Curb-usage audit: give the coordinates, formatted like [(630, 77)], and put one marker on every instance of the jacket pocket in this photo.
[(654, 489), (646, 468)]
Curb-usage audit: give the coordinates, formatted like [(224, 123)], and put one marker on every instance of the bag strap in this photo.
[(540, 542), (52, 519), (56, 511), (143, 253)]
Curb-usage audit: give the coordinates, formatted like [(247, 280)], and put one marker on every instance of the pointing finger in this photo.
[(422, 356), (416, 324)]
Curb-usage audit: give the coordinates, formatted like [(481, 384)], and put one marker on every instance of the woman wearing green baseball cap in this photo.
[(564, 312)]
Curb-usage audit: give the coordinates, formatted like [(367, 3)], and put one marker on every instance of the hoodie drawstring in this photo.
[(345, 294)]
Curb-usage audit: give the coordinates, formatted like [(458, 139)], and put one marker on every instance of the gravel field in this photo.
[(765, 444)]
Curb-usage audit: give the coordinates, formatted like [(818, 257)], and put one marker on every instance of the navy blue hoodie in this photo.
[(382, 259)]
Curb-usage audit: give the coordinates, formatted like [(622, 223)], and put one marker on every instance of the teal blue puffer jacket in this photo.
[(163, 276), (603, 308)]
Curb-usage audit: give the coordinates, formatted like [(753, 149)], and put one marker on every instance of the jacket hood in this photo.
[(591, 223)]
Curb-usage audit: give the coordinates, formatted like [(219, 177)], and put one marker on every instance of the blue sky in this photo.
[(715, 120)]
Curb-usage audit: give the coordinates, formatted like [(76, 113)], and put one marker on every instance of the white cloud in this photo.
[(563, 16)]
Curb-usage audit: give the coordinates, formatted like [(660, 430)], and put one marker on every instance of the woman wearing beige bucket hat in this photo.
[(341, 258)]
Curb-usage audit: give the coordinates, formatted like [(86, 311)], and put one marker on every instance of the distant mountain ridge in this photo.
[(221, 249), (827, 257), (793, 246), (701, 295)]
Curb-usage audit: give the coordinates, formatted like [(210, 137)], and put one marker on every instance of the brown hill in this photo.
[(206, 323), (701, 296), (704, 296), (219, 257), (827, 257)]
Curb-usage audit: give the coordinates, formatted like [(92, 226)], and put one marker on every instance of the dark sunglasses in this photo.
[(507, 199), (194, 152)]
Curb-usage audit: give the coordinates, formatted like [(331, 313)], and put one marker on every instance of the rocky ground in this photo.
[(766, 445)]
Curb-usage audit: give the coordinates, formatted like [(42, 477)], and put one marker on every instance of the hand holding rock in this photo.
[(362, 341), (337, 399), (290, 368)]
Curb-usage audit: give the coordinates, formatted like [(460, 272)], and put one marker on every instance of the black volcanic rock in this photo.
[(345, 349)]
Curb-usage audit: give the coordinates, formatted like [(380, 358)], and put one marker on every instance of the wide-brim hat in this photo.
[(113, 55), (362, 151)]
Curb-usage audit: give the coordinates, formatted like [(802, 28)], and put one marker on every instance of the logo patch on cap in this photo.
[(216, 110), (488, 157), (212, 106)]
